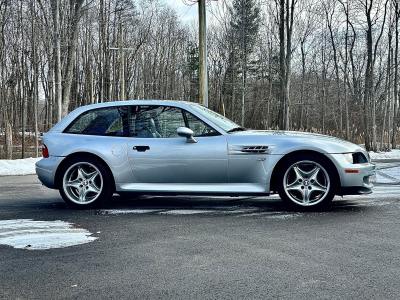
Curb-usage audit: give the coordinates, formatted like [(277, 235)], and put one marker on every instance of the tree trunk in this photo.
[(368, 85), (346, 76), (288, 59), (396, 76), (75, 7), (303, 75), (329, 17), (390, 96), (56, 6), (35, 84), (23, 111), (9, 142), (386, 102), (282, 66)]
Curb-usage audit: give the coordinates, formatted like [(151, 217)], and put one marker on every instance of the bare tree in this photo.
[(56, 7), (369, 7), (396, 7)]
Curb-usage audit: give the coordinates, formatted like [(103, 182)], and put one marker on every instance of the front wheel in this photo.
[(306, 182), (85, 183)]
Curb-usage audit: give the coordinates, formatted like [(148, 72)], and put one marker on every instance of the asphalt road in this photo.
[(206, 248)]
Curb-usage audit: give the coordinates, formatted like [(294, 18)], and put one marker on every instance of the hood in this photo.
[(288, 141)]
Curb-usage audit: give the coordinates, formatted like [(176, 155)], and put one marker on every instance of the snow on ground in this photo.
[(392, 154), (41, 235), (18, 166)]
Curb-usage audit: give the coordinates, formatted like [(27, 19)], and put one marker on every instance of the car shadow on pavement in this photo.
[(236, 206), (202, 205)]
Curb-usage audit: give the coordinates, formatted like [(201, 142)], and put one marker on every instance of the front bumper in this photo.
[(354, 190), (353, 183), (46, 170)]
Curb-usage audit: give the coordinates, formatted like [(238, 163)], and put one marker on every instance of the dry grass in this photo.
[(17, 146)]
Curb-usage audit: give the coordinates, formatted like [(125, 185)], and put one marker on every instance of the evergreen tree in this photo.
[(245, 23), (192, 71)]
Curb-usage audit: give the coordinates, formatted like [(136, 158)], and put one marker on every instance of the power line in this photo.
[(186, 12)]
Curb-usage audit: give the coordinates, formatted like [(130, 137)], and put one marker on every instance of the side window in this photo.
[(199, 127), (107, 121), (155, 121)]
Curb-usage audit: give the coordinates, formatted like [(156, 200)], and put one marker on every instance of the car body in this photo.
[(182, 148)]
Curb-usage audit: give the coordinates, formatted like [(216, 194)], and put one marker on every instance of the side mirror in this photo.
[(187, 133)]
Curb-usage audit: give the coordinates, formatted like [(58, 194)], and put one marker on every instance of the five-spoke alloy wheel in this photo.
[(85, 183), (306, 181)]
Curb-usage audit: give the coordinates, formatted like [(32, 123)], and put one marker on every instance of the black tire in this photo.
[(306, 182), (84, 183)]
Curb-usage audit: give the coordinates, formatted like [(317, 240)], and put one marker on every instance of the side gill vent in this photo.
[(254, 149)]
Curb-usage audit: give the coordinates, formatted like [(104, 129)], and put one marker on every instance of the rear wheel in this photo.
[(306, 182), (85, 183)]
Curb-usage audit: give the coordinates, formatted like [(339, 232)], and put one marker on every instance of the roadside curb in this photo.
[(386, 160)]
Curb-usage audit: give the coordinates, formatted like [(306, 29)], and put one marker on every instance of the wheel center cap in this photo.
[(306, 182), (85, 182)]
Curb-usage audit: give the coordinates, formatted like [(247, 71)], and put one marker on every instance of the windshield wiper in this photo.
[(237, 129)]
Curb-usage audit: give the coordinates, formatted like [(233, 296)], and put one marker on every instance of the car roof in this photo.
[(72, 115), (139, 102)]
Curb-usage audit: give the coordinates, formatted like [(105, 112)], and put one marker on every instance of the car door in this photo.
[(158, 155)]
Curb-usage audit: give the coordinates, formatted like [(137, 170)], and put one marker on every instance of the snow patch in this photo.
[(186, 212), (236, 210), (41, 235), (126, 211), (392, 154), (276, 215), (18, 166)]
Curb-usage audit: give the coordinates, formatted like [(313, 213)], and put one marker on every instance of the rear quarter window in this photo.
[(107, 121)]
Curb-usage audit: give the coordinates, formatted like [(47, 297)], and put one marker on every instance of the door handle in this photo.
[(141, 148)]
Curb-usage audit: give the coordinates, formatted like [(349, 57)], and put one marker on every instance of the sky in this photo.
[(187, 13)]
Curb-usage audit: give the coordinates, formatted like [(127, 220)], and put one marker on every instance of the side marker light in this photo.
[(351, 171)]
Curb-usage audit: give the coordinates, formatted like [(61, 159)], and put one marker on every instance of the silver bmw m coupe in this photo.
[(183, 148)]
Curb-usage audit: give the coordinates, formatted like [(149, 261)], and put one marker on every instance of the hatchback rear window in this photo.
[(107, 121)]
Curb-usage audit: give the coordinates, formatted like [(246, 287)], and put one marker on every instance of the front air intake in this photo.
[(254, 149)]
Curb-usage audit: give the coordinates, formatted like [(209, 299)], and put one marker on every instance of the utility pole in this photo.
[(203, 84)]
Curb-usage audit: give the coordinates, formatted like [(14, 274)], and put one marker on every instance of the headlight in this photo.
[(356, 158), (349, 157)]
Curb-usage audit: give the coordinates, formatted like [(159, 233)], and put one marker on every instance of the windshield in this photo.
[(216, 118)]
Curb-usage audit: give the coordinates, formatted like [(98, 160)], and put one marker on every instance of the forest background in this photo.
[(323, 66)]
